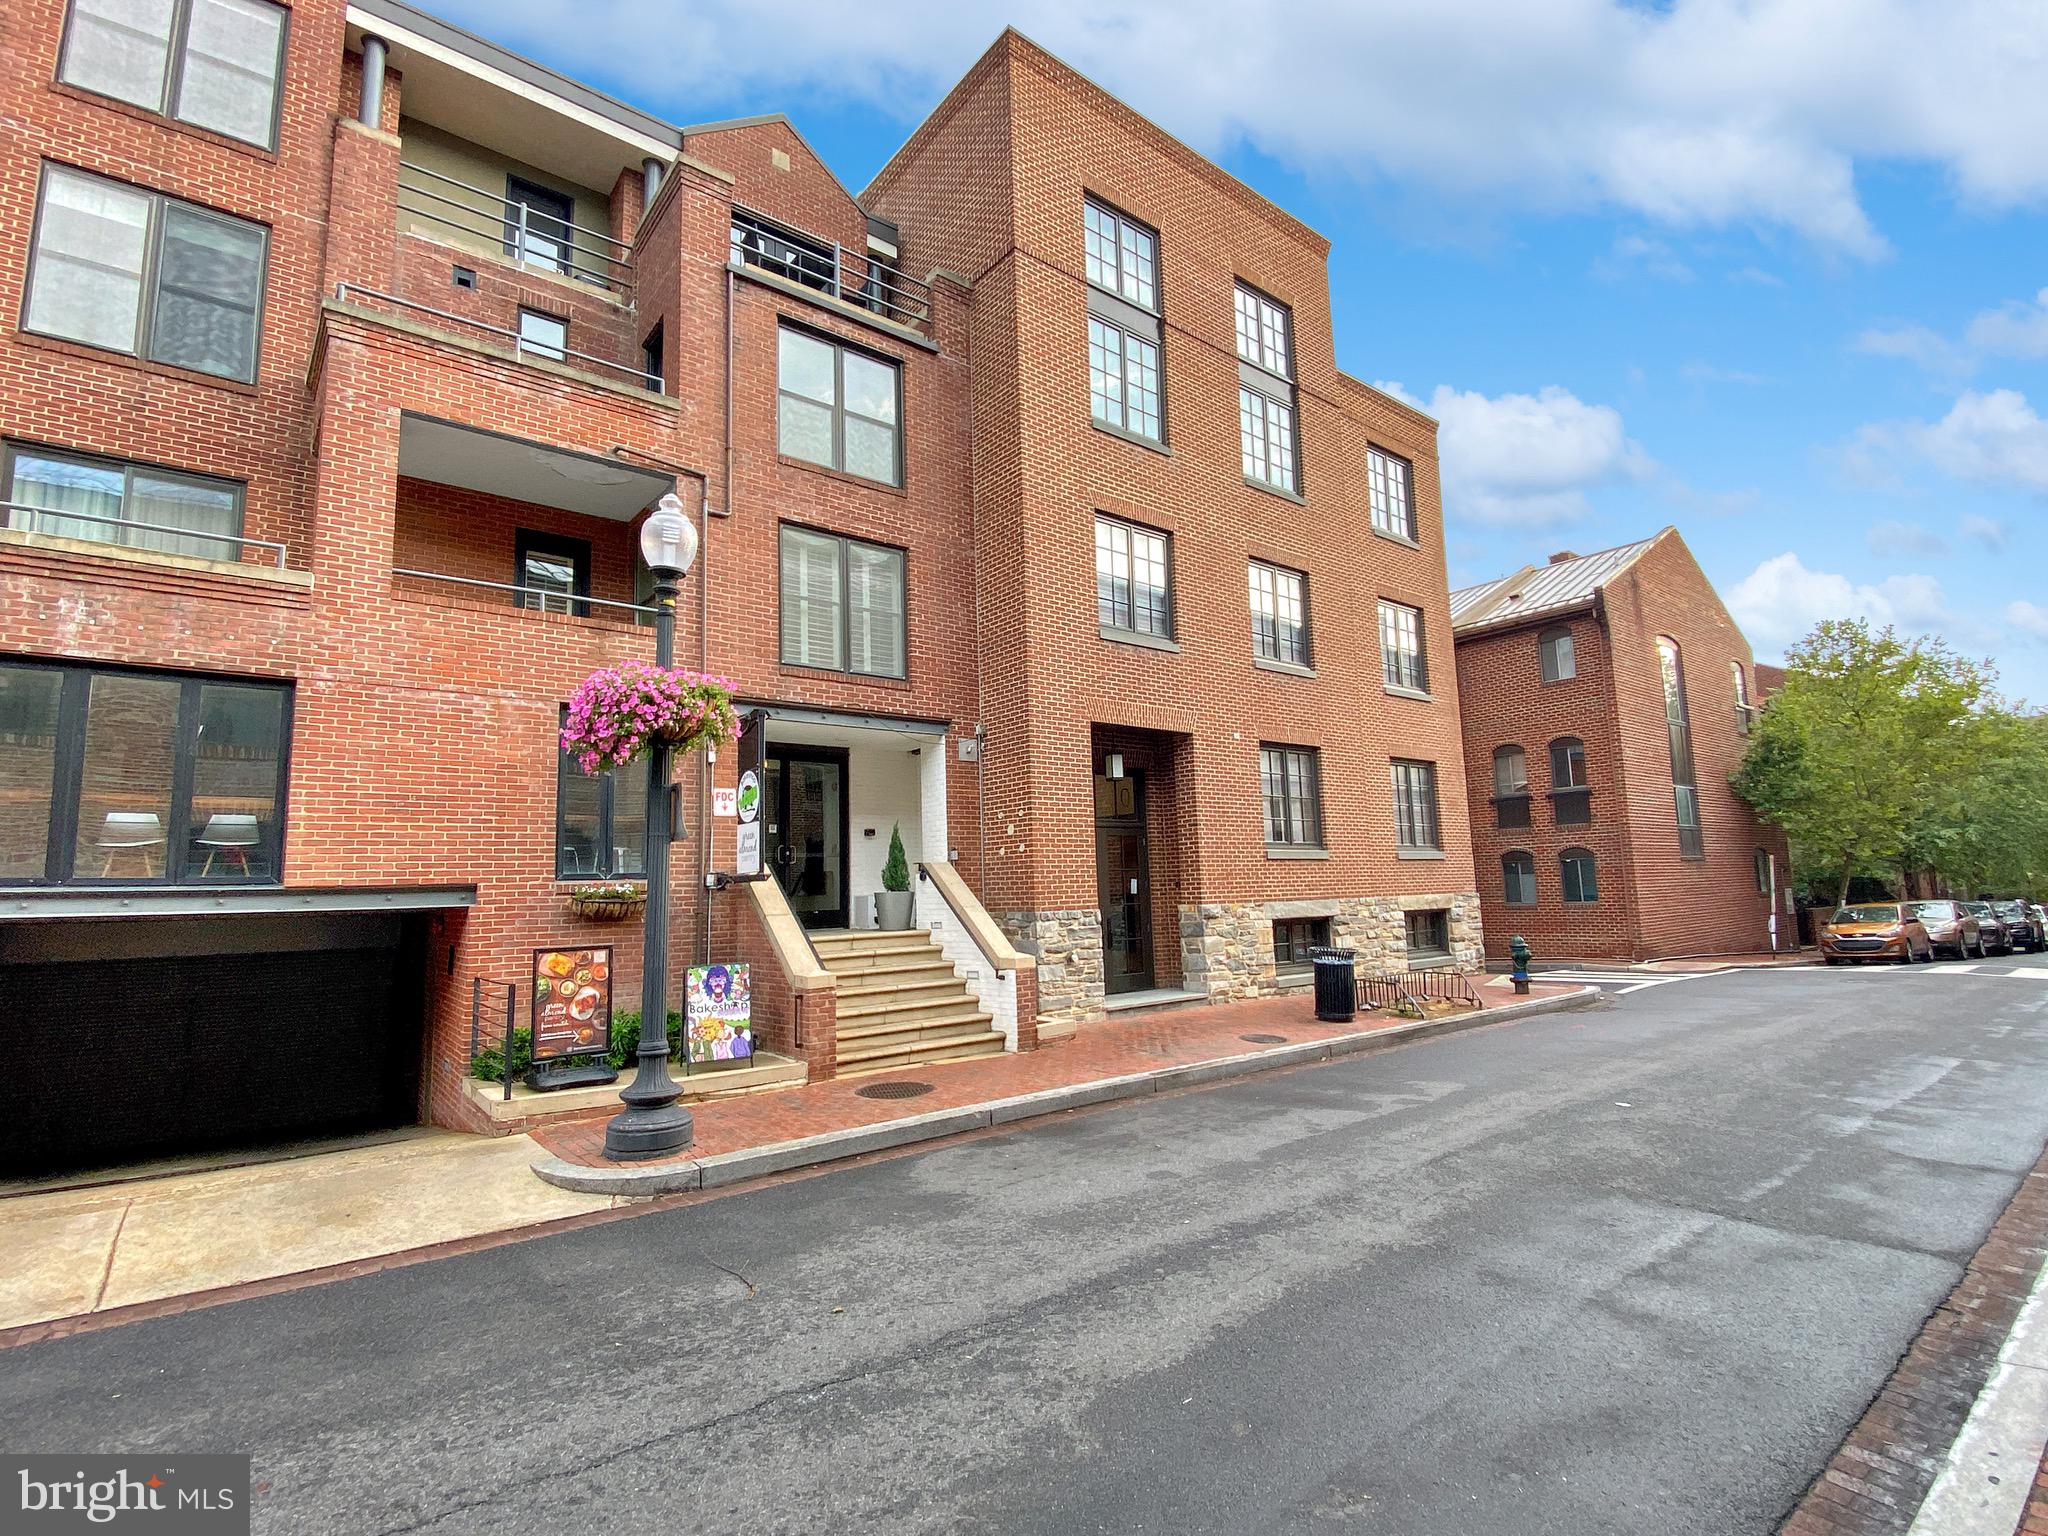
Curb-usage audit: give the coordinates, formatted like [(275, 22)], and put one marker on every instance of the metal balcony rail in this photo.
[(775, 247), (1745, 718), (32, 519), (538, 599), (1394, 990), (521, 347), (528, 237)]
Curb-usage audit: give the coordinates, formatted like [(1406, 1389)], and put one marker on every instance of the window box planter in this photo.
[(608, 903)]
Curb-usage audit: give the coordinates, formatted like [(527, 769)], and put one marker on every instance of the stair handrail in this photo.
[(973, 917)]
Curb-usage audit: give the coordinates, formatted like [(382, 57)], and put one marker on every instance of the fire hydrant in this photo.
[(1518, 951)]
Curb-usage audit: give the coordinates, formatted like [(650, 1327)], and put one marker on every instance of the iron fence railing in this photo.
[(32, 519), (786, 252), (537, 599), (1395, 991), (524, 235), (521, 347)]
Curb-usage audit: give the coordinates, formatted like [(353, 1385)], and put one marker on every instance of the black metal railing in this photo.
[(522, 234), (1406, 991), (540, 599), (771, 246)]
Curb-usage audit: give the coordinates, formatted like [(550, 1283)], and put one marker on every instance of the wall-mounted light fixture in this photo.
[(1113, 765)]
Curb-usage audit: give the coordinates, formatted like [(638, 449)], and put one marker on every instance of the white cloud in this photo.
[(1782, 599), (1526, 461), (1913, 539), (1919, 345), (1691, 113), (1991, 438), (1987, 531), (1631, 254), (2031, 617), (1709, 373), (2017, 328)]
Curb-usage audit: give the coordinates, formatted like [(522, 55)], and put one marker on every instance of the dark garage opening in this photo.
[(140, 1038)]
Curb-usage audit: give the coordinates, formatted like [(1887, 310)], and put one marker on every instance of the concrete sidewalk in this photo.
[(142, 1244)]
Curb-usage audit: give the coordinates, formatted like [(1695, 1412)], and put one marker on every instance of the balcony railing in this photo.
[(521, 346), (523, 235), (773, 247), (1745, 718), (542, 599), (121, 532)]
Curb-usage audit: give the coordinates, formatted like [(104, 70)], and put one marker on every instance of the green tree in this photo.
[(1865, 756), (896, 868)]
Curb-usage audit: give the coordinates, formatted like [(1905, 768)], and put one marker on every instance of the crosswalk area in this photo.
[(1621, 983)]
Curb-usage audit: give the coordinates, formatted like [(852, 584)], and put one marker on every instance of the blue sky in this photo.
[(1773, 270)]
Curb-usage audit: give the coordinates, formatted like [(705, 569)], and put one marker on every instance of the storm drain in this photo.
[(896, 1090), (1263, 1039)]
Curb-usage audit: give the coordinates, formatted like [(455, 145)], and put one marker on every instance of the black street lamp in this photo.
[(654, 1121)]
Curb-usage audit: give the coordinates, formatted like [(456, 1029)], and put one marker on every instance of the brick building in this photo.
[(341, 353), (1606, 700)]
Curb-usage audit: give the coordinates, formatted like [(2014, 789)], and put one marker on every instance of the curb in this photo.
[(728, 1168)]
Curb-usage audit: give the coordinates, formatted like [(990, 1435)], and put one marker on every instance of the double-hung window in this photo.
[(1576, 873), (1401, 648), (1518, 879), (1390, 484), (1265, 391), (1279, 614), (107, 501), (551, 571), (842, 604), (1295, 941), (1685, 792), (1571, 792), (212, 63), (1510, 787), (1557, 657), (1125, 391), (1291, 781), (1415, 808), (600, 821), (124, 777), (1133, 580), (136, 272), (838, 407)]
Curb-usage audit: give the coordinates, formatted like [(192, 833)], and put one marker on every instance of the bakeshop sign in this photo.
[(572, 1003)]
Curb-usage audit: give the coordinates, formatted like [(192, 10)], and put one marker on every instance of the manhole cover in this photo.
[(897, 1090), (1264, 1039)]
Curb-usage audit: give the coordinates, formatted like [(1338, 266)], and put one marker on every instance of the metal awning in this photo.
[(225, 901)]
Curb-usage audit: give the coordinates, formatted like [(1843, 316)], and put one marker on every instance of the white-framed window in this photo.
[(1518, 879), (1279, 599), (1263, 333), (1416, 827), (1123, 379), (1390, 481), (1121, 254), (1133, 578), (212, 63), (132, 271), (112, 501), (1685, 791), (1266, 426), (1557, 657), (1401, 657), (1290, 778), (543, 334), (843, 603), (838, 407)]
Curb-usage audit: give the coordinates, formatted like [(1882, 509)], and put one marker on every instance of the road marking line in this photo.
[(1984, 1481)]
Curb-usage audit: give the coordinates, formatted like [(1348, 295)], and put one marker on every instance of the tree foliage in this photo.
[(1894, 758)]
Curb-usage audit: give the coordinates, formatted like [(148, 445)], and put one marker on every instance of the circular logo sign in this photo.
[(749, 795)]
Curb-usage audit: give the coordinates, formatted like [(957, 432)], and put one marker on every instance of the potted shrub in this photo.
[(610, 901), (892, 903)]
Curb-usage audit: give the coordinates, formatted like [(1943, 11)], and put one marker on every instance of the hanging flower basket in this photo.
[(619, 712), (610, 903)]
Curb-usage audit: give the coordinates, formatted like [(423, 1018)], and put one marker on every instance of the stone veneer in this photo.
[(1227, 947), (1067, 943)]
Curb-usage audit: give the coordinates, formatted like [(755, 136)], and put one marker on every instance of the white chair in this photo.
[(131, 832), (230, 836)]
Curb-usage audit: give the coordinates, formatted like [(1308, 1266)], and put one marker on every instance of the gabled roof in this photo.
[(1558, 587), (726, 125)]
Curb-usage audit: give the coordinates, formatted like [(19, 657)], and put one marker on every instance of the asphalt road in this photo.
[(1622, 1271)]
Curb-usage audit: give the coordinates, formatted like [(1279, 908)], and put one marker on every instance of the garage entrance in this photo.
[(135, 1038)]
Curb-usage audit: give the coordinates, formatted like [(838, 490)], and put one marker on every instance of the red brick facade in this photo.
[(1652, 900), (422, 753)]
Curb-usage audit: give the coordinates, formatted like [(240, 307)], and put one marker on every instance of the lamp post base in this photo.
[(635, 1134)]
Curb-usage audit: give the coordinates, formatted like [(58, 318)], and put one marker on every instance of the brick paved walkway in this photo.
[(1119, 1047)]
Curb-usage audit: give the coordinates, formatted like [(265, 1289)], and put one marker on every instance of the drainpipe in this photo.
[(650, 177), (371, 112)]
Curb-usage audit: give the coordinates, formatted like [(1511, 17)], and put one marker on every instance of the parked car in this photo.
[(1994, 940), (1883, 931), (1950, 927), (2020, 925)]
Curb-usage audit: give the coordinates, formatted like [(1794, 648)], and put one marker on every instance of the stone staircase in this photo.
[(901, 1003)]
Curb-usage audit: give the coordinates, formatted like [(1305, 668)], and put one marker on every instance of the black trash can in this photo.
[(1336, 984)]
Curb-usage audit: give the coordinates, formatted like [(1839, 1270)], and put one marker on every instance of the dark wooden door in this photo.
[(1124, 883), (807, 828)]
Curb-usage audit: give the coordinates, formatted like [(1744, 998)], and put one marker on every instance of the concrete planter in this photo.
[(892, 910)]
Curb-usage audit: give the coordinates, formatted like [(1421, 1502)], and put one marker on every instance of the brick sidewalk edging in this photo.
[(831, 1146), (1878, 1479)]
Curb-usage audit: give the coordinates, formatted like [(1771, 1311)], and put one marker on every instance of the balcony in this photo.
[(121, 533), (766, 245), (520, 232)]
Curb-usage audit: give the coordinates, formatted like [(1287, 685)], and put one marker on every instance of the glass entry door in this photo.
[(1125, 884), (806, 840)]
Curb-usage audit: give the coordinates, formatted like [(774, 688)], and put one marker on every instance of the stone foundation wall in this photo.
[(1067, 943), (1226, 948)]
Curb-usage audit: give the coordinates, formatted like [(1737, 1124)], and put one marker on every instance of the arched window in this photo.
[(1764, 872), (1518, 879), (1575, 870), (1685, 784), (1510, 787), (1559, 659), (1571, 797)]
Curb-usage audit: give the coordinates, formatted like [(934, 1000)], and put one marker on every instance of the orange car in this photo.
[(1882, 931)]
